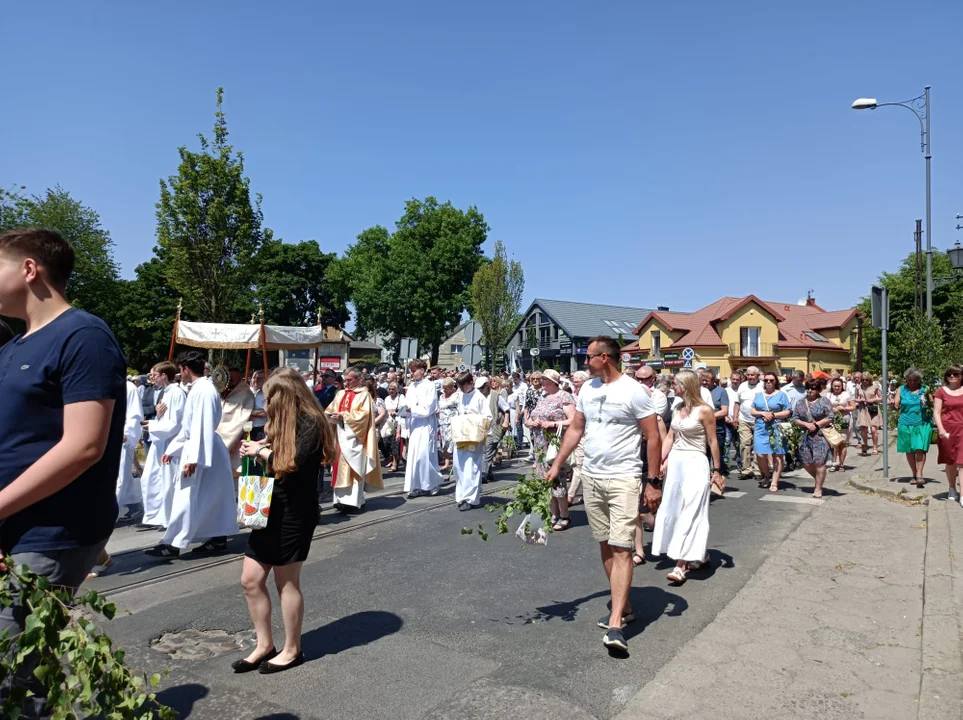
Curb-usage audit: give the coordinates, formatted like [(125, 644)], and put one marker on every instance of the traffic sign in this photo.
[(626, 357), (473, 333), (688, 354), (408, 348), (670, 356), (472, 355)]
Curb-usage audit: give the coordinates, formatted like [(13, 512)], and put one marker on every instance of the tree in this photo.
[(496, 300), (947, 307), (918, 342), (416, 281), (146, 316), (208, 232), (94, 284), (292, 285)]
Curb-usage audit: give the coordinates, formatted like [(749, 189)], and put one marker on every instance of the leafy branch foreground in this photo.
[(68, 655), (532, 496)]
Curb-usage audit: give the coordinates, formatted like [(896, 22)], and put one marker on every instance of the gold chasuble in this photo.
[(357, 440)]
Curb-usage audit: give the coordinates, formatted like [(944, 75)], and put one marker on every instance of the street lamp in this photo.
[(920, 106), (956, 256)]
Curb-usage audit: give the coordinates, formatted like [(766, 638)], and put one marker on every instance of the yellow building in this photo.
[(734, 333)]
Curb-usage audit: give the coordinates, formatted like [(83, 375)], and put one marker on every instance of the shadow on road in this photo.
[(649, 603), (182, 697), (349, 632)]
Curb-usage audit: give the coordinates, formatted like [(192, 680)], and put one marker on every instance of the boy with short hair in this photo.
[(61, 424)]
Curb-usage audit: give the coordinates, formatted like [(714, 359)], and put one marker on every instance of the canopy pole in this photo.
[(317, 350), (263, 340), (177, 322), (247, 366)]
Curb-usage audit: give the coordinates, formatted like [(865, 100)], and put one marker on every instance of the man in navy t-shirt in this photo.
[(61, 421)]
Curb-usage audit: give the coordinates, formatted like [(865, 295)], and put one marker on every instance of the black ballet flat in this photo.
[(267, 668), (243, 666)]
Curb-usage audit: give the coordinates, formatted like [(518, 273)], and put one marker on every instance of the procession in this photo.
[(599, 362)]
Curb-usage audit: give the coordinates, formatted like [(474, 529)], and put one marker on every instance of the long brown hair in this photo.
[(294, 421)]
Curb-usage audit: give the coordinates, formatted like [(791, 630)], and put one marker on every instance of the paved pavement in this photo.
[(406, 618)]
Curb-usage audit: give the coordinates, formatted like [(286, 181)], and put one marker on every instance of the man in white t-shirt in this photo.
[(613, 413), (744, 396), (732, 422)]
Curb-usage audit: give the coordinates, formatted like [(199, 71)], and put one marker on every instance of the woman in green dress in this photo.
[(914, 432)]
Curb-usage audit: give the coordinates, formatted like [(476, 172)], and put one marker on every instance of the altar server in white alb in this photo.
[(204, 508), (472, 419), (128, 487), (421, 474), (158, 481)]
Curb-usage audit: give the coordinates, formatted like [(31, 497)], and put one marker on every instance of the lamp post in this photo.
[(920, 106)]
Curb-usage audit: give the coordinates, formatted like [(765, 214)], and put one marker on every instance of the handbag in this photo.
[(253, 498), (833, 436), (388, 429), (551, 452)]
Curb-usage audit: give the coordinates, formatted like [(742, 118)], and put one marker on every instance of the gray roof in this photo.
[(588, 319), (365, 345)]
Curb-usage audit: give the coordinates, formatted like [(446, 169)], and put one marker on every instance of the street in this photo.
[(405, 617)]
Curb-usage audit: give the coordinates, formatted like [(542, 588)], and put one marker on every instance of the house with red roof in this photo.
[(734, 333)]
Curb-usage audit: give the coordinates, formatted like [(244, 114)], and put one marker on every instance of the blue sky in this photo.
[(634, 153)]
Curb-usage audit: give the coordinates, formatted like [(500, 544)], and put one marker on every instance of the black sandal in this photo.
[(641, 558), (561, 524)]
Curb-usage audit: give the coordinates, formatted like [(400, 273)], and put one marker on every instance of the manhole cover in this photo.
[(202, 644)]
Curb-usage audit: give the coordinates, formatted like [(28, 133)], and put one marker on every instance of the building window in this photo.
[(749, 341), (656, 343), (456, 349), (555, 332), (545, 335)]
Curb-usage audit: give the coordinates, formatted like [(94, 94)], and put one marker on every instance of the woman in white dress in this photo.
[(682, 523), (447, 404), (394, 404), (467, 459)]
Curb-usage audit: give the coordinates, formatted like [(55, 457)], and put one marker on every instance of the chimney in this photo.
[(662, 308), (810, 301)]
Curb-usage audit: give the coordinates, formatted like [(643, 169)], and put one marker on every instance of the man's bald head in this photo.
[(645, 375)]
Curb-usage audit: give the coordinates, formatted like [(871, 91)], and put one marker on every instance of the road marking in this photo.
[(735, 493), (793, 499)]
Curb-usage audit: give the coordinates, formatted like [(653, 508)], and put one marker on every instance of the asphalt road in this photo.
[(407, 618)]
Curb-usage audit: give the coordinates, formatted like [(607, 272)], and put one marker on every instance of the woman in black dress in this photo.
[(297, 442)]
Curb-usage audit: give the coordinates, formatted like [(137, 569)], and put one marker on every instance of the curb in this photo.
[(872, 486), (940, 693)]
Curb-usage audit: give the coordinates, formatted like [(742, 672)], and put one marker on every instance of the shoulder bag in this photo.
[(835, 438), (253, 497)]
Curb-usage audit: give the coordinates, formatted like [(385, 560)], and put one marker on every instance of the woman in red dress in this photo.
[(948, 414)]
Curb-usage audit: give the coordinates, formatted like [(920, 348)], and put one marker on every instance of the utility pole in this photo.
[(918, 236)]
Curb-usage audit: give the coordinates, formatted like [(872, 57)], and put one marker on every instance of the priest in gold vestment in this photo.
[(358, 465)]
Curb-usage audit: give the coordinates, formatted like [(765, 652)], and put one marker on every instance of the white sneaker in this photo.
[(953, 495)]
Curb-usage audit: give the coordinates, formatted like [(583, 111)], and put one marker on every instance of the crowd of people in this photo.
[(638, 449)]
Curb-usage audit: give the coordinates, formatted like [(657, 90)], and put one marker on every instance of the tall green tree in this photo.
[(208, 230), (496, 300), (146, 317), (94, 284), (416, 281), (909, 333), (292, 285)]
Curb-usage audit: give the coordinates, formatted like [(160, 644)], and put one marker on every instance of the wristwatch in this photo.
[(654, 482), (717, 470)]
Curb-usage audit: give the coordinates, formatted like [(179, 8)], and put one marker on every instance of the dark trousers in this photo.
[(491, 451)]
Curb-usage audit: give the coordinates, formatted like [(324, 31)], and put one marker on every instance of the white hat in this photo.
[(480, 381)]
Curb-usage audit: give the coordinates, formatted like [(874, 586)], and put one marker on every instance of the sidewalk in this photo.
[(856, 615)]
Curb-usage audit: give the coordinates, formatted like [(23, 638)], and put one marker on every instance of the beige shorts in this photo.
[(612, 505)]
